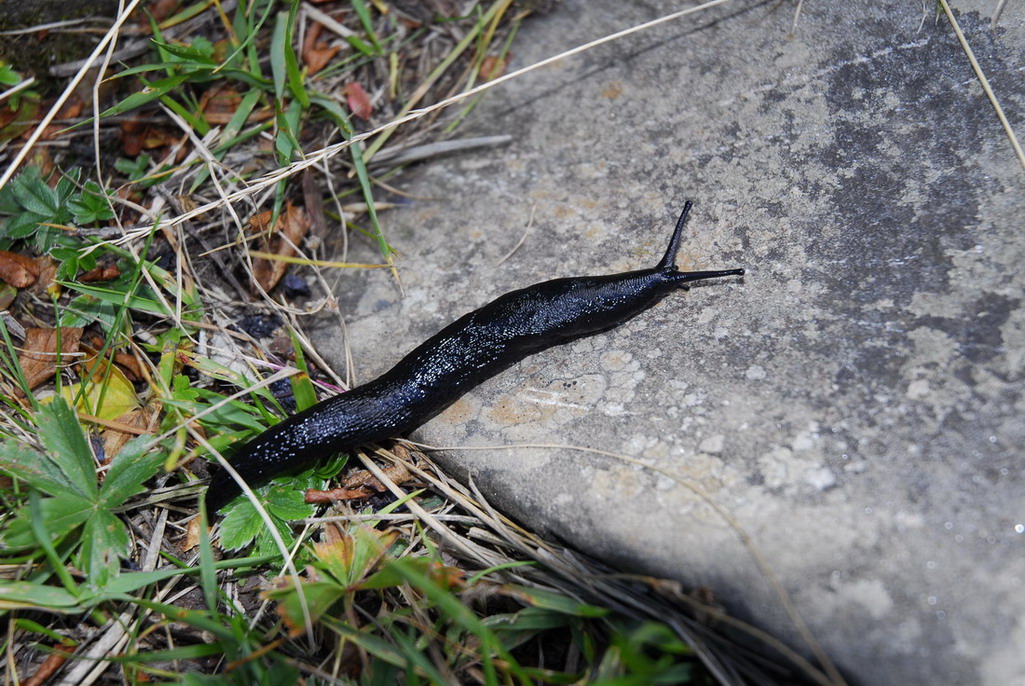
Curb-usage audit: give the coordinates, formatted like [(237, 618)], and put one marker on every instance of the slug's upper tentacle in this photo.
[(668, 260), (473, 348)]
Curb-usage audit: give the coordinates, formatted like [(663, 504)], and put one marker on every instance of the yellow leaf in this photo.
[(107, 400)]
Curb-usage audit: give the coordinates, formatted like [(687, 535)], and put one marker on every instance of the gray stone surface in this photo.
[(855, 403)]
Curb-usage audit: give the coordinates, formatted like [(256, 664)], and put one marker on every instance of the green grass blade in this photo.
[(152, 91), (279, 45), (368, 24), (32, 596), (207, 573), (302, 387), (294, 74)]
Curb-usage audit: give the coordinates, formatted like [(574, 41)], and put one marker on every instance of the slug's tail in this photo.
[(668, 261)]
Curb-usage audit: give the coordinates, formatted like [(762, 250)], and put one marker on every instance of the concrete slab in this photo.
[(855, 403)]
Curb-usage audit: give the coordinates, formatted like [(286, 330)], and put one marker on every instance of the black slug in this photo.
[(460, 356)]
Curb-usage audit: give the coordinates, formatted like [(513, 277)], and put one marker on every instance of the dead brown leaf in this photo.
[(18, 270), (492, 67), (396, 471), (191, 535), (318, 497), (47, 273), (320, 56), (71, 108), (290, 230), (113, 439), (316, 53), (53, 662), (219, 104), (162, 9), (131, 137), (358, 100), (38, 360), (107, 272)]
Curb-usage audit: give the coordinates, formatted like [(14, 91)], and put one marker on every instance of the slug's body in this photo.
[(473, 348)]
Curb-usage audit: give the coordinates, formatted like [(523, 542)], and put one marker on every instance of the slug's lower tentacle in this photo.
[(460, 356)]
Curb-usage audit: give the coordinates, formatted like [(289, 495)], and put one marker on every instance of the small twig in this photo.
[(996, 15), (797, 17), (985, 84), (17, 87), (523, 238), (400, 517), (54, 25), (395, 156), (327, 22)]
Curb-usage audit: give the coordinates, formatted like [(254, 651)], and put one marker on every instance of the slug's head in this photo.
[(667, 265)]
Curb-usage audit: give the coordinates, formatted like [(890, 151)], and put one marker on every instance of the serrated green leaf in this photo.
[(133, 169), (33, 468), (132, 467), (104, 542), (21, 225), (355, 555), (240, 525), (8, 77), (91, 205), (34, 195), (62, 436), (265, 543), (8, 200), (288, 503), (283, 499), (60, 515), (66, 185)]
